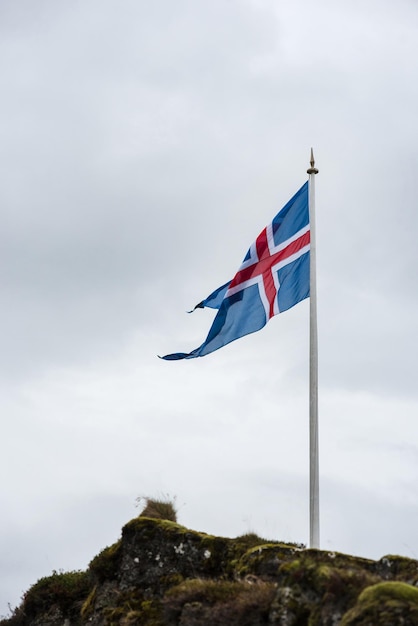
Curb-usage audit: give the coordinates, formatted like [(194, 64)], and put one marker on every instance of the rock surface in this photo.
[(162, 574)]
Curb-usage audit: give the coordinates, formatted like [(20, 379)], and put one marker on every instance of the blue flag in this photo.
[(273, 277)]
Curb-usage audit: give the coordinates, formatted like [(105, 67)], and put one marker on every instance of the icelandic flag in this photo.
[(273, 277)]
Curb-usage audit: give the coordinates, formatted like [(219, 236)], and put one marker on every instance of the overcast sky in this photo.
[(143, 146)]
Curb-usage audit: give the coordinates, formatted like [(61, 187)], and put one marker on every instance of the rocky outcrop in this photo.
[(162, 574)]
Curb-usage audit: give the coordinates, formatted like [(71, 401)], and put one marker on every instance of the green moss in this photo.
[(221, 556), (322, 589), (142, 523), (327, 572), (263, 559), (399, 567), (339, 559), (246, 542), (226, 601), (242, 555), (212, 553), (60, 589), (240, 544), (390, 591), (106, 564), (208, 591), (386, 604), (243, 580), (131, 608)]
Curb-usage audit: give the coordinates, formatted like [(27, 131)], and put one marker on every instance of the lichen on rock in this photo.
[(160, 573)]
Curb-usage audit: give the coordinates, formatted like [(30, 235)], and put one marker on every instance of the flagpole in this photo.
[(313, 373)]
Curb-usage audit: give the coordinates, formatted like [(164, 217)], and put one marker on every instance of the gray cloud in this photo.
[(142, 149)]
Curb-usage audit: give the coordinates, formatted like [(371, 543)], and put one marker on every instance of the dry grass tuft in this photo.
[(163, 508)]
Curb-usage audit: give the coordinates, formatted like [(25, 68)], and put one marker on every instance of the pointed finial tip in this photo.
[(312, 169)]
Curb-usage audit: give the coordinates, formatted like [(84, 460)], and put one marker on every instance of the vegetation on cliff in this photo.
[(162, 574)]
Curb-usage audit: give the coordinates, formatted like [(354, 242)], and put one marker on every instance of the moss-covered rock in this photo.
[(155, 551), (106, 565), (265, 559), (162, 574), (392, 567), (385, 604), (52, 600), (218, 603)]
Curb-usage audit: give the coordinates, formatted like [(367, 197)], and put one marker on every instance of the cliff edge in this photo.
[(162, 574)]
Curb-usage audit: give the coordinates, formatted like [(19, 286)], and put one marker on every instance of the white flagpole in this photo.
[(313, 373)]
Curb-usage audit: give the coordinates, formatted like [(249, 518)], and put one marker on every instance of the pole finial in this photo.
[(312, 169)]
